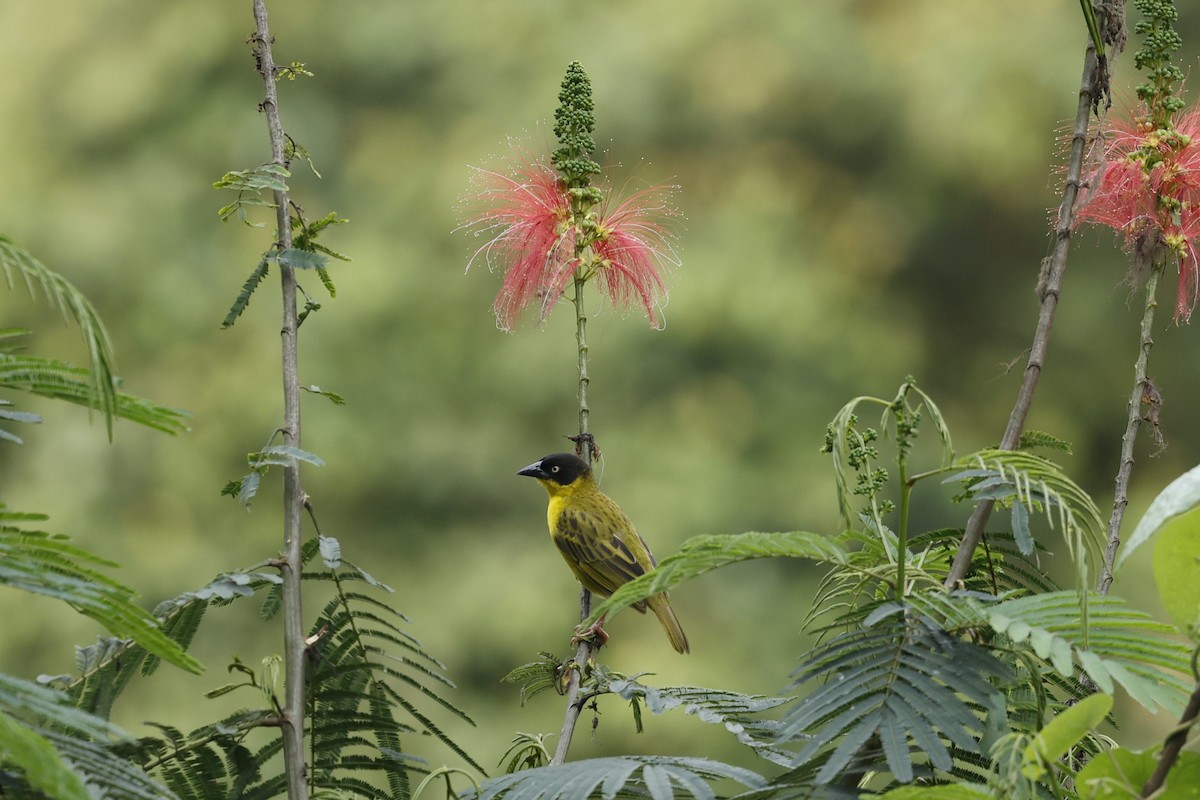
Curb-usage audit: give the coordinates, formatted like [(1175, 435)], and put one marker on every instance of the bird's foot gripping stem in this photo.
[(593, 634)]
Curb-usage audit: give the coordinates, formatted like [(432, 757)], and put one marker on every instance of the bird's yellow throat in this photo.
[(560, 496)]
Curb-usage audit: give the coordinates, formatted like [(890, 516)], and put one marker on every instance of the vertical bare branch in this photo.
[(293, 494), (1090, 93)]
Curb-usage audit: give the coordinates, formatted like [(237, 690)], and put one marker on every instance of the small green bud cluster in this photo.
[(908, 425), (1159, 43), (861, 452)]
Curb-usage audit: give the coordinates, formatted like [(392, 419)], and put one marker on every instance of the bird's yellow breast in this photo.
[(560, 498)]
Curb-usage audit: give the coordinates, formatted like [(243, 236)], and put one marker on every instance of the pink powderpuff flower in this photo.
[(1184, 242), (534, 238), (1149, 185), (526, 214), (634, 250)]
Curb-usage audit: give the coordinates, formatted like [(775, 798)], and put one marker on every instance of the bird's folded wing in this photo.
[(597, 549)]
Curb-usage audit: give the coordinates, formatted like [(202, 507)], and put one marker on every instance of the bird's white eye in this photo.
[(554, 469)]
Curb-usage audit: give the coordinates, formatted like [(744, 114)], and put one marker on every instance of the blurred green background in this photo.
[(866, 189)]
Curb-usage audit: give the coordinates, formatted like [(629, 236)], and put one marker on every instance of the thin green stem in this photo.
[(180, 752), (902, 533), (913, 480), (445, 773), (584, 379), (586, 650), (1133, 422), (573, 127)]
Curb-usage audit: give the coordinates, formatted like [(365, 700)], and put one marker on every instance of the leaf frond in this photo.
[(59, 380), (17, 263), (39, 563), (62, 751), (702, 554), (900, 684), (660, 777), (242, 301), (1024, 480), (740, 714)]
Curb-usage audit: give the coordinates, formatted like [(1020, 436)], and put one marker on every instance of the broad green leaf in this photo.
[(1120, 775), (1054, 648), (1177, 567), (1180, 496), (1042, 641), (1139, 688), (1183, 781), (1116, 774), (1063, 732)]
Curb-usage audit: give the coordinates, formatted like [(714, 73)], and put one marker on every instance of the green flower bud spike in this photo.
[(573, 125), (1155, 58)]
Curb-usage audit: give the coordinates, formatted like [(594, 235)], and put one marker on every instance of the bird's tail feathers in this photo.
[(666, 615)]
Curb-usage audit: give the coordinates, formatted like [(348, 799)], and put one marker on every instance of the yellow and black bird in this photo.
[(596, 539)]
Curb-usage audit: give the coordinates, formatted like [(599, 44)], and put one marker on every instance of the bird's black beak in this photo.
[(534, 470)]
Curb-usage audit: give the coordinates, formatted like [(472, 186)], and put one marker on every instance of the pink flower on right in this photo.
[(1150, 180)]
